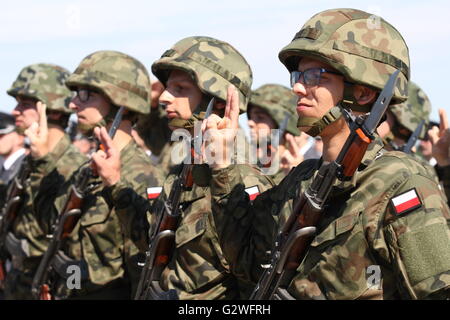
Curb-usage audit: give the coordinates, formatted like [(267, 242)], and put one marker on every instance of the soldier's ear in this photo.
[(364, 95)]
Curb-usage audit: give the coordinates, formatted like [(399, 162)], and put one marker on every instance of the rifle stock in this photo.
[(162, 241)]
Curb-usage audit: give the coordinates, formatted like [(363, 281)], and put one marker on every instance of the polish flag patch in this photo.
[(252, 192), (153, 193), (406, 202)]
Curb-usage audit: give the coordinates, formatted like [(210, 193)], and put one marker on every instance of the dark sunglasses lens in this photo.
[(83, 95), (295, 76), (312, 77)]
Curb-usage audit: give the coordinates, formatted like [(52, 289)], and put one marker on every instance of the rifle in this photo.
[(297, 234), (413, 138), (14, 198), (162, 240), (67, 220)]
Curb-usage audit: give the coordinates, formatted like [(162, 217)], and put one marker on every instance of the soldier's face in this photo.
[(25, 112), (260, 122), (181, 95), (91, 106), (315, 101)]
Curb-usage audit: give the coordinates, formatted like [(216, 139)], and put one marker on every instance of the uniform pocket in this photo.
[(337, 260), (335, 229), (190, 230)]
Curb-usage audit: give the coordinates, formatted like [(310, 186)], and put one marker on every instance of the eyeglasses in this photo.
[(311, 77), (84, 94)]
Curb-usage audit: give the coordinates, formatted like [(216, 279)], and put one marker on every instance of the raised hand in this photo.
[(107, 159), (440, 139), (38, 133), (219, 133), (292, 156)]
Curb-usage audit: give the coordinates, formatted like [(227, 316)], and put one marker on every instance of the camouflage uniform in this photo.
[(364, 224), (279, 102), (26, 242), (409, 115), (198, 269), (107, 259)]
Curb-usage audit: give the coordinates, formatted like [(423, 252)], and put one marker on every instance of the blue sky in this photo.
[(64, 32)]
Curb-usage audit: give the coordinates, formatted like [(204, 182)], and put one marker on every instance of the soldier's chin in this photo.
[(86, 129), (20, 130)]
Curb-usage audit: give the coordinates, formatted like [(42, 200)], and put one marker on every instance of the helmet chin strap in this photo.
[(388, 140), (197, 115), (348, 102), (88, 129)]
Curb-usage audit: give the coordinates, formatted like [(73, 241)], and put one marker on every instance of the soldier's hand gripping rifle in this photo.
[(14, 199), (296, 235), (66, 221), (162, 240), (407, 148)]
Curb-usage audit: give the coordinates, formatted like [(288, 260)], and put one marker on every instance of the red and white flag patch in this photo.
[(406, 202), (252, 192), (153, 193)]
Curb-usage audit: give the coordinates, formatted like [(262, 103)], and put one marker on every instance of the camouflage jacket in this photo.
[(48, 174), (367, 224), (27, 240), (198, 268), (98, 243)]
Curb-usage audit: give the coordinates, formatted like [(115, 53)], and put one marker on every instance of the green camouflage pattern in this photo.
[(213, 64), (363, 47), (98, 239), (411, 112), (44, 82), (359, 229), (279, 102), (120, 77), (48, 175), (154, 130), (198, 269)]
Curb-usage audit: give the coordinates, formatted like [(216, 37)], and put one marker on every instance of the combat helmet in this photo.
[(411, 112), (44, 82), (120, 77), (214, 65), (363, 47), (279, 102)]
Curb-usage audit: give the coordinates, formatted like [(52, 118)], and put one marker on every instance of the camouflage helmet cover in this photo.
[(363, 47), (46, 83), (411, 112), (279, 102), (120, 77), (213, 64)]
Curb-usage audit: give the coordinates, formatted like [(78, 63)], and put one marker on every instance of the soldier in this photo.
[(51, 162), (107, 260), (271, 107), (440, 149), (402, 120), (390, 218), (12, 149), (193, 71), (155, 131)]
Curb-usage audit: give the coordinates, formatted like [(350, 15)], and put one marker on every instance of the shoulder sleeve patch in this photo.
[(406, 202), (153, 193), (252, 192)]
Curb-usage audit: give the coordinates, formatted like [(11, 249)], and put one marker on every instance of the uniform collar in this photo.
[(7, 164)]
